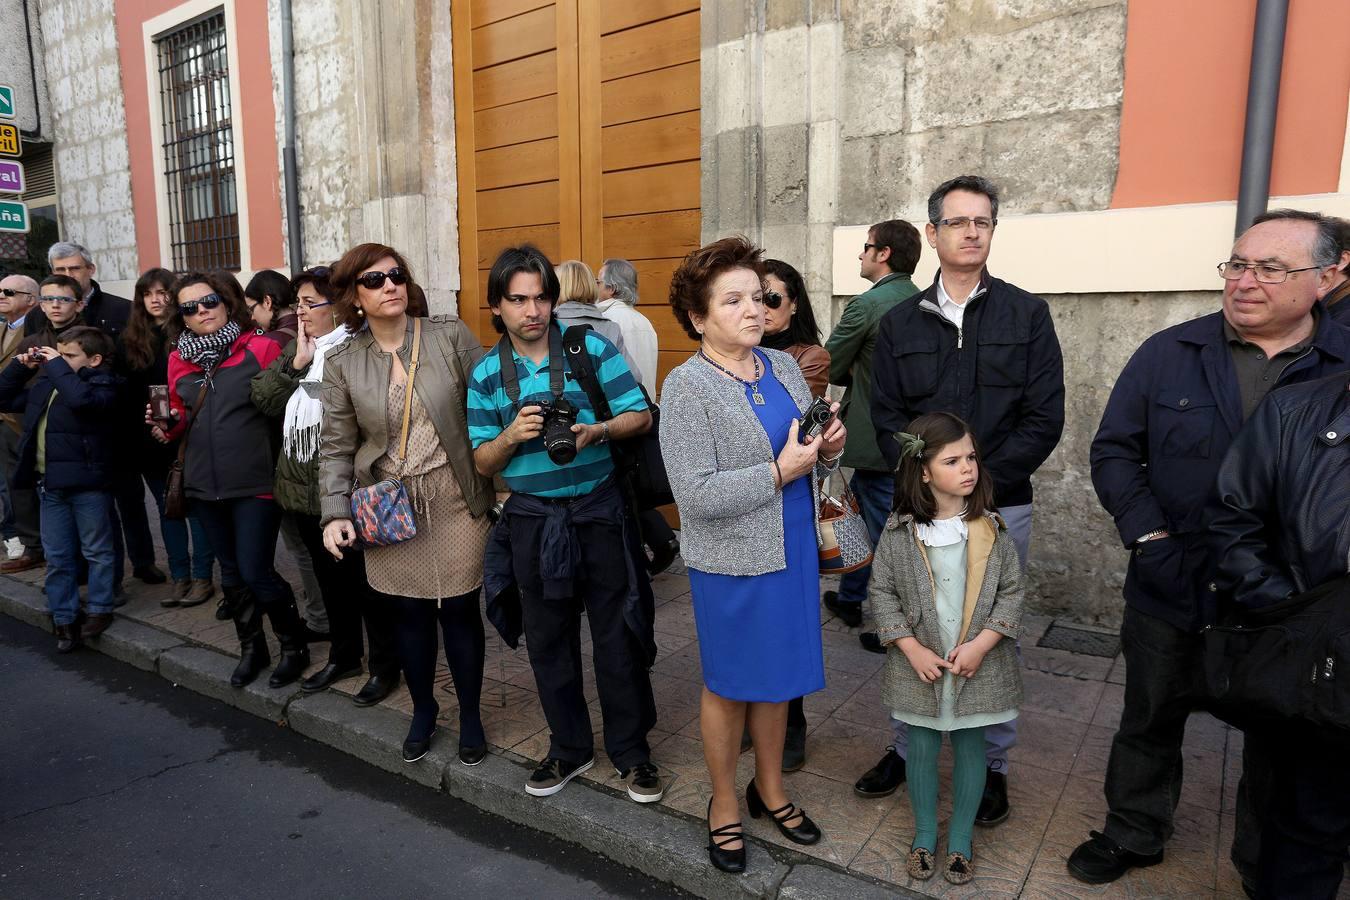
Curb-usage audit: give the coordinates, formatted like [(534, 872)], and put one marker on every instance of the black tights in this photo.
[(462, 628)]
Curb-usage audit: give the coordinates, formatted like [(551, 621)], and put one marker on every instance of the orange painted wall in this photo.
[(259, 129), (1186, 70)]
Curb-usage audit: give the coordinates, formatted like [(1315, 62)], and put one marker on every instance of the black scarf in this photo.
[(780, 341), (207, 350)]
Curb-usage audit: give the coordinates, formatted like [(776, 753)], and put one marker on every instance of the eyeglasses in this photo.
[(11, 292), (773, 299), (192, 307), (1234, 269), (373, 281), (318, 305), (959, 222), (59, 301)]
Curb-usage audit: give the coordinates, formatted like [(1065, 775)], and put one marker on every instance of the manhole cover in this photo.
[(1077, 639)]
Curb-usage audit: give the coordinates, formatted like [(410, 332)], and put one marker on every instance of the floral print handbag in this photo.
[(383, 513)]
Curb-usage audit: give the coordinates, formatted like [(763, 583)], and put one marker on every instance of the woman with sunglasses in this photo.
[(228, 465), (144, 361), (434, 578), (289, 391), (790, 324)]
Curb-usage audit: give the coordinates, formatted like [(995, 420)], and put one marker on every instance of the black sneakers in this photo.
[(552, 776), (1099, 860)]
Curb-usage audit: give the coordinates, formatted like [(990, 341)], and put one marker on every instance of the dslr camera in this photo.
[(814, 420), (559, 417)]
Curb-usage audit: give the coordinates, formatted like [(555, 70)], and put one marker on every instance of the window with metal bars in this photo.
[(198, 145)]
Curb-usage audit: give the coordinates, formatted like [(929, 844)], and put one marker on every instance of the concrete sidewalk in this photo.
[(1073, 704)]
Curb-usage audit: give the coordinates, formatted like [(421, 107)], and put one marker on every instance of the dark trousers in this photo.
[(21, 512), (1306, 827), (243, 533), (553, 639), (131, 525), (348, 599), (461, 624)]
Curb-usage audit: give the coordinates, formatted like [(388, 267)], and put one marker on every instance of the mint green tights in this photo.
[(921, 770)]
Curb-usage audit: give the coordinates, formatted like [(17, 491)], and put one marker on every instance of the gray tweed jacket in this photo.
[(720, 466), (902, 595)]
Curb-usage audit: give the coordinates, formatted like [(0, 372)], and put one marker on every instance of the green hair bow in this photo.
[(910, 445)]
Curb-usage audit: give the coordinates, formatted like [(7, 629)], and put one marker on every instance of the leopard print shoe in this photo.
[(920, 864), (959, 869)]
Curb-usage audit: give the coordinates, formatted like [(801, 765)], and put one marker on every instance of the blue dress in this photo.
[(759, 635)]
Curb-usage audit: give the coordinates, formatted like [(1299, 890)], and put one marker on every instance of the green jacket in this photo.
[(296, 486), (850, 346)]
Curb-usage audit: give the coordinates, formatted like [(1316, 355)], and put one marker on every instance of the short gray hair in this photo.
[(1326, 250), (64, 249), (622, 278), (973, 184)]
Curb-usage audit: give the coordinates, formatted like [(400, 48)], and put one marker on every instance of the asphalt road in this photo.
[(114, 783)]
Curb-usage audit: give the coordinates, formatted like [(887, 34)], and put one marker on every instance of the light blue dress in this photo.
[(759, 635), (948, 565)]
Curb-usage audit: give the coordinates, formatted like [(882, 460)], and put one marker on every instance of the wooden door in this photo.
[(577, 129)]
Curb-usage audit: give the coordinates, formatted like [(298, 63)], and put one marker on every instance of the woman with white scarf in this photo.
[(289, 388)]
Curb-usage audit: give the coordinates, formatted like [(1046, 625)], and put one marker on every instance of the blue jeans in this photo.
[(175, 533), (1000, 738), (75, 524), (874, 491), (243, 533)]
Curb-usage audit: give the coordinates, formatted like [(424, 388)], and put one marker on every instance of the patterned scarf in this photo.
[(207, 350)]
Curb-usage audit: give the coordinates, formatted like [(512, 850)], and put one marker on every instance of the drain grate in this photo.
[(1078, 639)]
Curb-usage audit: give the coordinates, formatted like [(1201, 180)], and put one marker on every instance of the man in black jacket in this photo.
[(985, 350), (1282, 528)]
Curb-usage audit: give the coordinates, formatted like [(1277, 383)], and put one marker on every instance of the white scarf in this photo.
[(304, 414)]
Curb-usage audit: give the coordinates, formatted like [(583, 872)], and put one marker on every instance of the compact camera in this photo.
[(559, 441), (814, 420)]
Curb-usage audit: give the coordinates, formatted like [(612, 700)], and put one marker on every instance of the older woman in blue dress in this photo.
[(746, 486)]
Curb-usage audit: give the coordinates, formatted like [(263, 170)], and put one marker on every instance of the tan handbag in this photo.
[(845, 545)]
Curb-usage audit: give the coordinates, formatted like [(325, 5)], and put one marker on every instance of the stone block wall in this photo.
[(89, 128)]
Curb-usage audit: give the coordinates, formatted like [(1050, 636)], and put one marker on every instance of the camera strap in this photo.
[(583, 370), (507, 361)]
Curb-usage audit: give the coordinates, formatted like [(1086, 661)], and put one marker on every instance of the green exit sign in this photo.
[(6, 102), (13, 217)]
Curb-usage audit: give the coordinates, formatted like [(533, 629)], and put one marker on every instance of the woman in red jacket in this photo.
[(229, 463)]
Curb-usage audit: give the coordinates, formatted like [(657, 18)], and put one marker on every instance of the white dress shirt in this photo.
[(639, 339), (955, 312)]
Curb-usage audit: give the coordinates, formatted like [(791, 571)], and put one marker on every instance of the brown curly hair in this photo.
[(691, 282), (342, 279)]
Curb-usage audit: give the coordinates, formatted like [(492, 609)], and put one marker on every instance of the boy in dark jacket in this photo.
[(66, 452)]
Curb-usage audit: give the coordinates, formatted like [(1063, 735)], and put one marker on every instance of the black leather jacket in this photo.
[(1283, 522)]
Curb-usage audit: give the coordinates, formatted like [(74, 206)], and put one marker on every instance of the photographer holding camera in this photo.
[(531, 421)]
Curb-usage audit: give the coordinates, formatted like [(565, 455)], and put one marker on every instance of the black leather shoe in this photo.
[(326, 677), (804, 832), (150, 574), (870, 642), (413, 750), (252, 661), (472, 756), (882, 779), (292, 665), (376, 688), (994, 804), (1099, 860), (732, 861), (849, 613), (794, 748)]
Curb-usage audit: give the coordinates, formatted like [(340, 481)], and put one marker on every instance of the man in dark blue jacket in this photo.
[(985, 350), (1172, 415), (66, 450)]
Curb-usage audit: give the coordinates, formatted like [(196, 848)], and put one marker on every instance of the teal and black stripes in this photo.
[(530, 471)]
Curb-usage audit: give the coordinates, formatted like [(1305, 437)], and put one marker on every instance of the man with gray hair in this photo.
[(101, 310), (20, 524), (618, 287)]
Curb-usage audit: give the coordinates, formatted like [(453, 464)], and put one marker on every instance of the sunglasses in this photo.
[(773, 299), (192, 307), (373, 281), (10, 292), (59, 301)]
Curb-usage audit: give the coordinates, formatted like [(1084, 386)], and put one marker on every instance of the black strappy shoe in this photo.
[(804, 833), (727, 860)]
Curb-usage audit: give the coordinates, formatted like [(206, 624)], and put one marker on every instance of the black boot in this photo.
[(253, 655), (290, 632)]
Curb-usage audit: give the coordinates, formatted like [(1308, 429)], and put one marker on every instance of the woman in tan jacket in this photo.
[(790, 324), (435, 577)]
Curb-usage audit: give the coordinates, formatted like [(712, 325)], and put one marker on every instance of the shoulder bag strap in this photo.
[(192, 417), (583, 369), (555, 362), (408, 393)]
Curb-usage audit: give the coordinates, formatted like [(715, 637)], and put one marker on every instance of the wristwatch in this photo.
[(604, 437), (1152, 535)]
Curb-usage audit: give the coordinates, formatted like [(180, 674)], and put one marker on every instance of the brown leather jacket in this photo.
[(355, 426)]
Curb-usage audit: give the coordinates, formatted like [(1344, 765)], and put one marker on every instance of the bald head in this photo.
[(18, 294)]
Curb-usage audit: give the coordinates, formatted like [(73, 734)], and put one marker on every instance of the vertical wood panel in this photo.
[(461, 36), (569, 138), (592, 184)]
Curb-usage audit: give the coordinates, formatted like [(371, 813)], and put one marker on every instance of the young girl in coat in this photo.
[(946, 592)]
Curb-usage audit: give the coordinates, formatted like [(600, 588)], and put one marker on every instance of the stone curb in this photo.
[(657, 842)]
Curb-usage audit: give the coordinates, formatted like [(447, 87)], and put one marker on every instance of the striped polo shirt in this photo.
[(530, 471)]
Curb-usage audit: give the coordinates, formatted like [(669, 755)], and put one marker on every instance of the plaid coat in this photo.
[(902, 595)]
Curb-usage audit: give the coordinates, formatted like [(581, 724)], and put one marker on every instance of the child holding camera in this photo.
[(66, 452), (946, 590)]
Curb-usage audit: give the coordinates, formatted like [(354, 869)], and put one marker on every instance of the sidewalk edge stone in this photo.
[(373, 735), (139, 645), (24, 602), (208, 672), (808, 881)]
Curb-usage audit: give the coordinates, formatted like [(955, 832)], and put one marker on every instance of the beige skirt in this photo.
[(445, 559)]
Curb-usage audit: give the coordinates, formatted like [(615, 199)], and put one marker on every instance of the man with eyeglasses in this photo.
[(1174, 411), (102, 310), (978, 347), (19, 526)]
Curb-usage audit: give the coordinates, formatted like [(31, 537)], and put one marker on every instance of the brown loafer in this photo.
[(96, 624), (22, 563), (920, 864), (202, 590), (959, 869)]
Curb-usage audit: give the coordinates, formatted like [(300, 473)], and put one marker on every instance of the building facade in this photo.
[(598, 128)]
